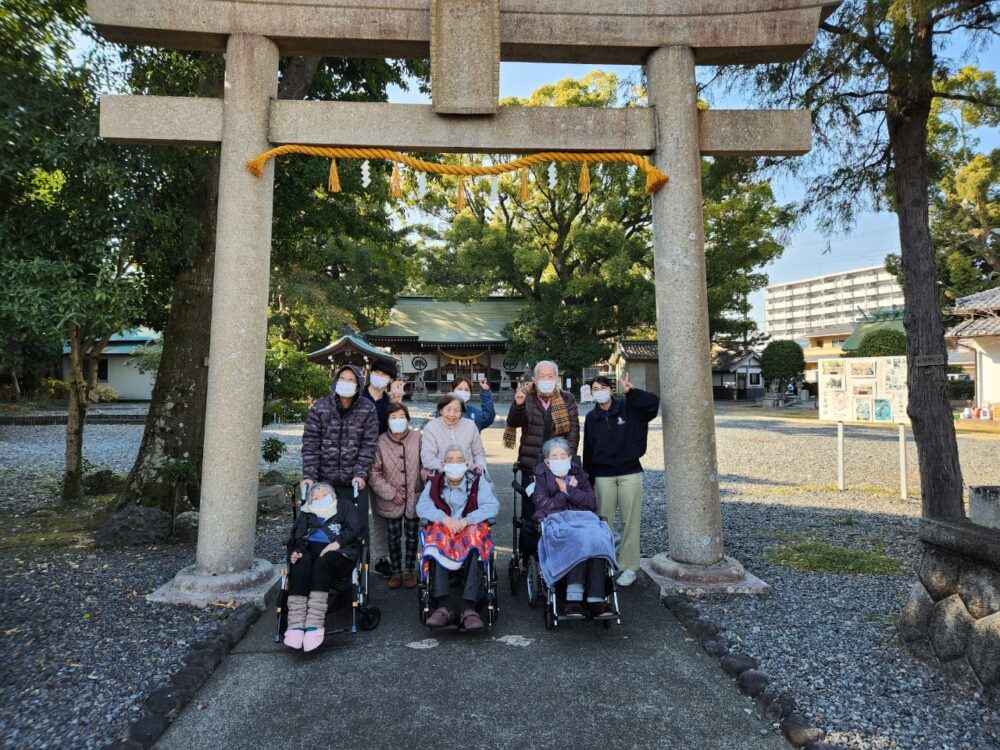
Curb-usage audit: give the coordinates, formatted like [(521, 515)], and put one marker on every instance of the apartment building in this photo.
[(795, 309)]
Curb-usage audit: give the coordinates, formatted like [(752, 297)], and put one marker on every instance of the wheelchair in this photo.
[(486, 606), (526, 566), (364, 616)]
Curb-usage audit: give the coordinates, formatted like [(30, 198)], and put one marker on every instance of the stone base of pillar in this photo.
[(726, 577), (249, 586)]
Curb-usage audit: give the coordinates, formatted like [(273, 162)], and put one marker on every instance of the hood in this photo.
[(357, 373)]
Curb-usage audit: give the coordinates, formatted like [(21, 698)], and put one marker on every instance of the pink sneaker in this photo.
[(313, 639), (293, 637)]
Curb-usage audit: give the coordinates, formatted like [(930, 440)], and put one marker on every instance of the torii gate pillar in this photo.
[(695, 561), (225, 567)]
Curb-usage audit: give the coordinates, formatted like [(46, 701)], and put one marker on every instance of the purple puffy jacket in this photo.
[(338, 447)]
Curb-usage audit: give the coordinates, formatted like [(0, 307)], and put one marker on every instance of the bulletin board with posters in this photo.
[(869, 389)]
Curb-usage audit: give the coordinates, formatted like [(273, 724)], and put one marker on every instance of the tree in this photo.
[(871, 81), (312, 232), (965, 193), (583, 262), (781, 360), (75, 215), (883, 342)]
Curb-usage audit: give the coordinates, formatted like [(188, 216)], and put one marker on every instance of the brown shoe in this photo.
[(410, 579), (471, 620), (441, 618), (395, 581)]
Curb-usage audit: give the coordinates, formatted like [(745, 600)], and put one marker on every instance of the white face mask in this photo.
[(455, 471), (602, 396), (398, 425), (323, 506), (345, 388), (378, 381), (560, 466), (546, 386), (464, 395)]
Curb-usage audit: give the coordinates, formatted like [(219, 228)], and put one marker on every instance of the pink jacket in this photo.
[(396, 467)]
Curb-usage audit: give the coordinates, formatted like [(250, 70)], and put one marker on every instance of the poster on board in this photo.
[(870, 389)]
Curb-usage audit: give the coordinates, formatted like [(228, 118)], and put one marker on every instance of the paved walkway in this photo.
[(643, 684)]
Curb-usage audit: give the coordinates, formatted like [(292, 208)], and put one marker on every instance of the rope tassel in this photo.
[(333, 182), (584, 186), (460, 201), (396, 183), (524, 183)]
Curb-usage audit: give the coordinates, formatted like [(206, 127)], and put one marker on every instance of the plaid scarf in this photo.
[(557, 410)]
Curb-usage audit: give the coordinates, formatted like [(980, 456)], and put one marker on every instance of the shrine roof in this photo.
[(988, 299), (431, 320)]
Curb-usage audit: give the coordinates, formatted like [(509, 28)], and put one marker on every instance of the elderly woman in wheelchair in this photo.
[(577, 547), (457, 504)]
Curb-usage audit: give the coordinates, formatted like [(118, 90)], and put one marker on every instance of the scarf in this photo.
[(557, 410)]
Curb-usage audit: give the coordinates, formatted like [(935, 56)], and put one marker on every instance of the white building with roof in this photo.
[(795, 309), (116, 368), (979, 331)]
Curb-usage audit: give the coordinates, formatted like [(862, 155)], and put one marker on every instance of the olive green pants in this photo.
[(622, 494)]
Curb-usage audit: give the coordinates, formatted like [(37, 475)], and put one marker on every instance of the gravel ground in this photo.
[(81, 647), (819, 636)]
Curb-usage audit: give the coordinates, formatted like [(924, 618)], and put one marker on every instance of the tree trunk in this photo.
[(926, 356), (175, 425), (76, 419)]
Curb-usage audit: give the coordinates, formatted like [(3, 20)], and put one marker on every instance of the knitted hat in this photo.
[(388, 366)]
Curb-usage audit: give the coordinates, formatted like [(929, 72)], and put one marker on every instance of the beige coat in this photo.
[(438, 436), (396, 467)]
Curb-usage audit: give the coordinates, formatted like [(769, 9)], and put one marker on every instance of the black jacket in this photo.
[(614, 439), (344, 526)]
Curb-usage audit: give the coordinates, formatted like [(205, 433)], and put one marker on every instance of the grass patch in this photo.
[(844, 521), (819, 557)]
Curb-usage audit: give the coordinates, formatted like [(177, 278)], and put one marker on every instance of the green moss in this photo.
[(47, 538), (819, 557)]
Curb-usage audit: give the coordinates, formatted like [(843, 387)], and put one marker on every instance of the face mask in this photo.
[(464, 395), (546, 386), (378, 381), (345, 388), (455, 471), (323, 506), (560, 467), (398, 425), (602, 397)]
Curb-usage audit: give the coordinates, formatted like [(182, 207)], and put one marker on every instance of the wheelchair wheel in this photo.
[(370, 618), (423, 605), (513, 576), (551, 623), (534, 590)]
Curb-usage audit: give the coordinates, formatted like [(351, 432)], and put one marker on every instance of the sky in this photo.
[(807, 251)]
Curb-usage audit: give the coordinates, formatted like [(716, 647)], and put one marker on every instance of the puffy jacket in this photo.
[(614, 439), (336, 447), (343, 527), (550, 499), (396, 467), (536, 426)]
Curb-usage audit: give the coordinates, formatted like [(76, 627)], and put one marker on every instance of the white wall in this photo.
[(131, 384), (987, 369)]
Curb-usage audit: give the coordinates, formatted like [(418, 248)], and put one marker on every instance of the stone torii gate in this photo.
[(465, 40)]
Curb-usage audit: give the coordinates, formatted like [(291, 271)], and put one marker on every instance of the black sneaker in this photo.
[(382, 568)]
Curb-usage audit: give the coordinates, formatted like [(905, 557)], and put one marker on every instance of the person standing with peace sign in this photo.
[(614, 439)]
